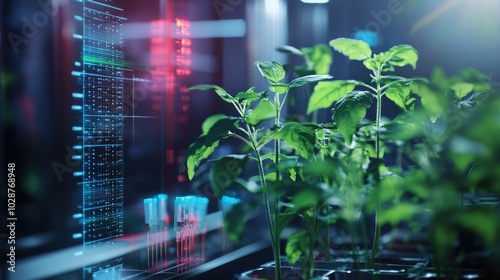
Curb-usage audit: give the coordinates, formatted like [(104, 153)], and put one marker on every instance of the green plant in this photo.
[(248, 127), (351, 105), (452, 175), (313, 164)]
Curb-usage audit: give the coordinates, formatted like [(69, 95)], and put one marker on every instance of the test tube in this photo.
[(151, 213), (162, 209)]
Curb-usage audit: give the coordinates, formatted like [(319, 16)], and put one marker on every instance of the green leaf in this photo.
[(299, 137), (215, 128), (308, 79), (284, 219), (199, 150), (297, 244), (439, 79), (249, 94), (405, 126), (484, 222), (432, 101), (220, 91), (325, 93), (443, 237), (330, 168), (353, 49), (220, 129), (263, 111), (289, 50), (349, 111), (398, 213), (271, 70), (389, 189), (462, 89), (234, 221), (403, 55), (462, 161), (392, 78), (303, 196), (400, 95), (279, 88), (480, 80), (371, 63), (302, 70), (210, 121), (318, 58), (224, 171)]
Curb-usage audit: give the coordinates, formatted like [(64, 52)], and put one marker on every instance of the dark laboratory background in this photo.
[(37, 82)]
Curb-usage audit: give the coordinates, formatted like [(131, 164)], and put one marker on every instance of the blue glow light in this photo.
[(151, 212), (315, 1), (227, 202), (162, 209), (369, 37)]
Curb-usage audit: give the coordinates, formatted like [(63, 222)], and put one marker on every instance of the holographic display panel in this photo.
[(102, 90)]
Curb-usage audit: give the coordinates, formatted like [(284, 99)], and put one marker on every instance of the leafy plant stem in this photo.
[(276, 240), (376, 235), (368, 87), (241, 138), (388, 85), (238, 108), (272, 230), (328, 255), (309, 263)]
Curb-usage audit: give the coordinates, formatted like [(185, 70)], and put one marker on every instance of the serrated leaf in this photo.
[(318, 58), (249, 94), (224, 171), (398, 94), (349, 111), (279, 88), (297, 244), (353, 49), (210, 121), (289, 50), (462, 89), (220, 91), (299, 137), (271, 70), (370, 63), (325, 93), (263, 111), (379, 61), (220, 129), (199, 150), (402, 55), (298, 82)]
